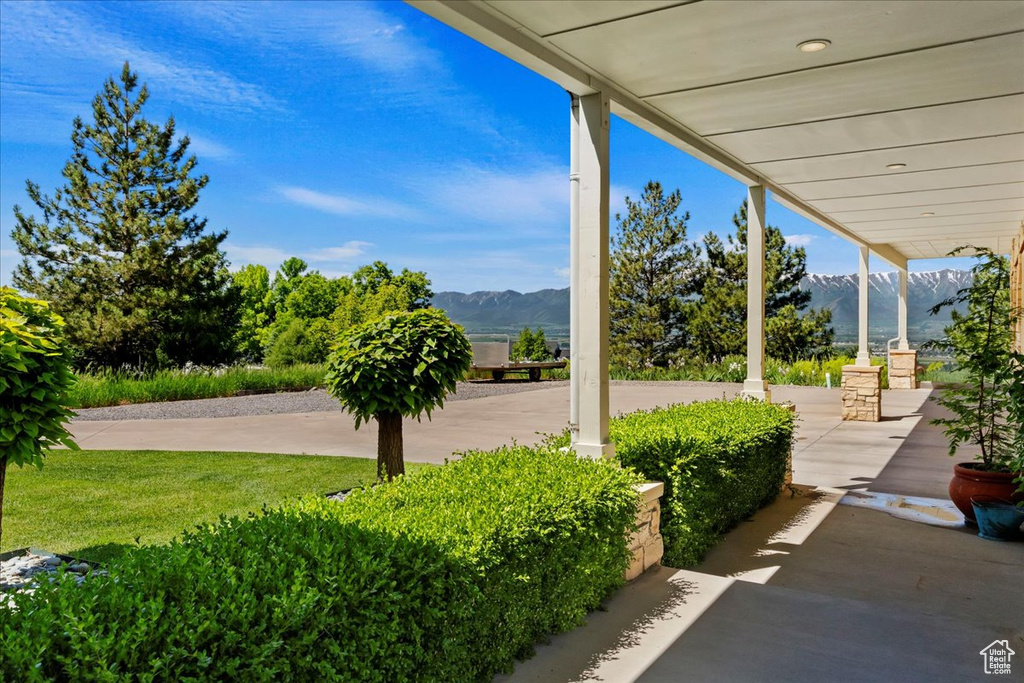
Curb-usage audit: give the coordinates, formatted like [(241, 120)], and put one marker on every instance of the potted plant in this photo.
[(986, 408)]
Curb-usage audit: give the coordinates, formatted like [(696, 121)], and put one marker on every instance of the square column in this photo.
[(901, 312), (755, 386), (574, 269), (863, 353), (592, 245)]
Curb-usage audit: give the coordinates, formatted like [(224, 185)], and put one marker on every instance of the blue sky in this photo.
[(344, 133)]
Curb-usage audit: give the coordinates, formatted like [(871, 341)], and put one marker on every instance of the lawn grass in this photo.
[(111, 388), (96, 504)]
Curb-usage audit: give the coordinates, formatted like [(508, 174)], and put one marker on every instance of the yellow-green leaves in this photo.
[(35, 378)]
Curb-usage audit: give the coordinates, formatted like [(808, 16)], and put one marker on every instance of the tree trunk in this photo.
[(3, 477), (389, 446)]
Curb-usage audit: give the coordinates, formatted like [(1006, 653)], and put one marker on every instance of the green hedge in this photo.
[(721, 461), (440, 576)]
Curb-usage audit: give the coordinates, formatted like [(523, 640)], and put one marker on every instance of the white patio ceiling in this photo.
[(938, 86)]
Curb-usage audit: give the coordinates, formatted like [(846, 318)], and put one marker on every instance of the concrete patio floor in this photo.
[(810, 589)]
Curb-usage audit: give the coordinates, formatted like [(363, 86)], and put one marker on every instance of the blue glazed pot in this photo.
[(998, 520)]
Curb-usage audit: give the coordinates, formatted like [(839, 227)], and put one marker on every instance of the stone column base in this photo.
[(645, 543), (789, 463), (862, 393), (903, 371)]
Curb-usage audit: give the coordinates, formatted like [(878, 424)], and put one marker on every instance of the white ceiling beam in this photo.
[(506, 36)]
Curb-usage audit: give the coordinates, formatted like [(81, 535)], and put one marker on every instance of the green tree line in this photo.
[(120, 253), (674, 301)]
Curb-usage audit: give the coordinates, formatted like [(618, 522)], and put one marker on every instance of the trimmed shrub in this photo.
[(302, 342), (440, 576), (720, 461)]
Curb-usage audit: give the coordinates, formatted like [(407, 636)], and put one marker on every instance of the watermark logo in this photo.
[(997, 657)]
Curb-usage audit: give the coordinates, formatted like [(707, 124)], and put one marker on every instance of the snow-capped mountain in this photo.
[(510, 311)]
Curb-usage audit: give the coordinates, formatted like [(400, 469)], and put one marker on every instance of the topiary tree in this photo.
[(34, 378), (397, 366)]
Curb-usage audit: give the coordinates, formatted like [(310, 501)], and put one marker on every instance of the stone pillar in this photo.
[(646, 543), (789, 463), (862, 392), (903, 369)]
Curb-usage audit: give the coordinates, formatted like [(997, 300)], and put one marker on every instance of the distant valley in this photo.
[(509, 311)]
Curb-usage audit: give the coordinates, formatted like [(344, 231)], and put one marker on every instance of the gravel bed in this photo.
[(21, 571), (313, 401)]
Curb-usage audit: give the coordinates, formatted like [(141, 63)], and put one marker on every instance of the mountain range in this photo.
[(509, 311)]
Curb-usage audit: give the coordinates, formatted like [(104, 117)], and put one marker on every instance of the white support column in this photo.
[(863, 353), (901, 314), (574, 270), (755, 385), (591, 358)]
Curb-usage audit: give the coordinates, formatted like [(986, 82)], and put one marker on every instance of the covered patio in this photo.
[(819, 586), (898, 126)]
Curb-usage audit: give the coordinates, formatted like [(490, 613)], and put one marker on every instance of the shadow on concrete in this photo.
[(921, 465)]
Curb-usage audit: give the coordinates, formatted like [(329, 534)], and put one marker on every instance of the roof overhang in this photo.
[(936, 86)]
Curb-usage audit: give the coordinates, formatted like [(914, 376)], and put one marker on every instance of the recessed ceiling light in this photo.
[(816, 45), (927, 213), (895, 167)]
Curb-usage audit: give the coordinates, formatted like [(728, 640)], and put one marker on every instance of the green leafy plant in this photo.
[(445, 575), (531, 346), (1013, 374), (981, 339), (720, 462), (403, 364), (34, 380)]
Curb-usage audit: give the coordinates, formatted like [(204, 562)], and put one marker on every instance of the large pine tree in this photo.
[(652, 268), (117, 250), (719, 320)]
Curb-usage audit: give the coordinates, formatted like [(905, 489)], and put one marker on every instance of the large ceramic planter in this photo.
[(969, 481)]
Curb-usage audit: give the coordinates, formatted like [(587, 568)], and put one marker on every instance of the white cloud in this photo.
[(563, 273), (530, 202), (52, 51), (354, 30), (403, 69), (341, 205), (798, 240), (207, 148), (242, 255), (343, 253)]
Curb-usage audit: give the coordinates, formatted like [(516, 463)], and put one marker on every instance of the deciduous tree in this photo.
[(403, 364)]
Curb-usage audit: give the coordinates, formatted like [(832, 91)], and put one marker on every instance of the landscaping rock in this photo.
[(21, 572)]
